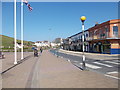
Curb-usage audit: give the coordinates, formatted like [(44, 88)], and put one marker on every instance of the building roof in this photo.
[(105, 23), (77, 34)]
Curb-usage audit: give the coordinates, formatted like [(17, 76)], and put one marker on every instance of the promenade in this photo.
[(48, 71), (9, 59)]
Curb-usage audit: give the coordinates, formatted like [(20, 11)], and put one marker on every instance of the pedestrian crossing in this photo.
[(98, 64), (102, 64), (108, 68), (112, 62), (112, 76), (114, 72), (105, 67), (91, 66)]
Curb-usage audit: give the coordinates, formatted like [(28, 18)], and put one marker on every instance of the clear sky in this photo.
[(50, 20)]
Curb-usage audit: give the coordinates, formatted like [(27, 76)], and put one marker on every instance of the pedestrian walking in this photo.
[(2, 56), (41, 50)]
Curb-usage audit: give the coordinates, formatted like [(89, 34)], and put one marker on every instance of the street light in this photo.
[(83, 18)]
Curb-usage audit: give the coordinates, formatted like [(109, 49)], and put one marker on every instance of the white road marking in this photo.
[(68, 60), (112, 76), (112, 62), (75, 61), (112, 72), (91, 66), (117, 61), (102, 64)]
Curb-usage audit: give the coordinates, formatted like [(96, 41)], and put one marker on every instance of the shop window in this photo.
[(106, 47)]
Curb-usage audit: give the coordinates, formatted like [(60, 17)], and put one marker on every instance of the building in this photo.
[(42, 44), (66, 44), (45, 44), (74, 42), (105, 37), (101, 38), (58, 40)]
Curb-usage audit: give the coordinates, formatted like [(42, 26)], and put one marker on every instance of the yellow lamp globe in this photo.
[(83, 18)]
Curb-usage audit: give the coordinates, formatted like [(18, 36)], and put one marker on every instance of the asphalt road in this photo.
[(109, 67)]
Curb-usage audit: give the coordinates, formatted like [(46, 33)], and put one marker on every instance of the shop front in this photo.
[(106, 47), (100, 47), (115, 46)]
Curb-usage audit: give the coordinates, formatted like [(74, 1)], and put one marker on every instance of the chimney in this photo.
[(96, 24)]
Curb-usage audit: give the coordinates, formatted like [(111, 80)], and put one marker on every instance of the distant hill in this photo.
[(9, 41)]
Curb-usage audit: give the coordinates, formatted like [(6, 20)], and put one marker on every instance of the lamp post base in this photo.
[(83, 65), (22, 58)]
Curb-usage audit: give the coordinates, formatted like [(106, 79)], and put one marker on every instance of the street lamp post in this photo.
[(83, 18)]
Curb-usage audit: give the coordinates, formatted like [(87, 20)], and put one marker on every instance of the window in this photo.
[(100, 34), (106, 29), (86, 35), (115, 31), (81, 38), (84, 38)]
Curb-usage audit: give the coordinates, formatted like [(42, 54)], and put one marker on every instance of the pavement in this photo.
[(49, 71), (8, 62), (9, 59)]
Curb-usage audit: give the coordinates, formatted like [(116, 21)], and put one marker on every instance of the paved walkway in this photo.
[(18, 77), (48, 71), (9, 59)]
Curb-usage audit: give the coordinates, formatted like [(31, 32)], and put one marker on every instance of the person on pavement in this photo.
[(41, 50)]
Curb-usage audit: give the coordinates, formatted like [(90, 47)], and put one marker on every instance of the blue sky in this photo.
[(50, 20)]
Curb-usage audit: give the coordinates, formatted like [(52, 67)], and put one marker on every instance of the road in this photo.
[(109, 67)]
